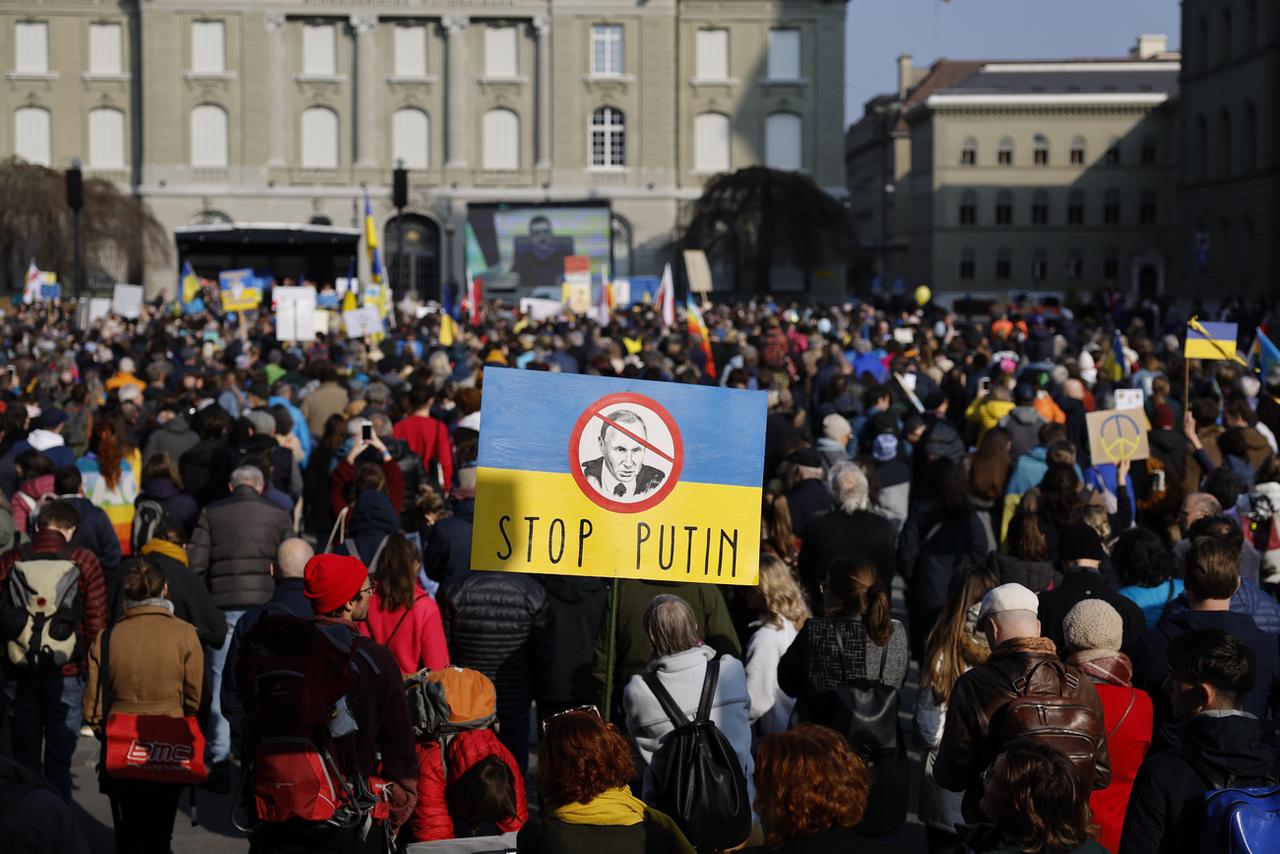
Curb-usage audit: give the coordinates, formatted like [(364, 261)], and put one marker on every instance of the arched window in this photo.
[(411, 137), (1004, 208), (968, 208), (969, 152), (1147, 207), (1077, 151), (1249, 139), (608, 138), (1041, 153), (711, 137), (211, 217), (1201, 153), (1039, 265), (621, 246), (33, 135), (209, 136), (967, 265), (1149, 151), (1111, 207), (501, 140), (106, 138), (1004, 154), (1075, 208), (1004, 264), (1224, 144), (782, 142), (1040, 207), (320, 143)]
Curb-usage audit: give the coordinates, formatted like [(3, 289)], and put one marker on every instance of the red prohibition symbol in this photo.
[(594, 419)]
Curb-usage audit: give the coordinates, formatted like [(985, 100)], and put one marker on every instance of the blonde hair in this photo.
[(1095, 516), (782, 596)]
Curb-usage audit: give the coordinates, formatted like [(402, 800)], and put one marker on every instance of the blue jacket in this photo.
[(1250, 600), (1153, 600), (1028, 471), (300, 428), (96, 534)]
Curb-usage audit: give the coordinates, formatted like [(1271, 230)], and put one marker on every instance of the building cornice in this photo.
[(1064, 99)]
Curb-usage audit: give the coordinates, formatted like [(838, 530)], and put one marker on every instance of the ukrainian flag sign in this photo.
[(1216, 341), (592, 476)]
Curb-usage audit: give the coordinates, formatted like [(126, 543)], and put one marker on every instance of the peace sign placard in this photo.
[(1118, 434)]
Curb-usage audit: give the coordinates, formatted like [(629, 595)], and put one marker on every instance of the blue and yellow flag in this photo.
[(592, 476), (371, 241), (1214, 341), (448, 334), (190, 283)]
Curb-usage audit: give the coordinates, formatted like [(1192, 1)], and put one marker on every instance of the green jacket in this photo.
[(634, 649)]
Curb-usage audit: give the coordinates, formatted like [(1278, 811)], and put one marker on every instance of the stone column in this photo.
[(542, 108), (455, 92), (366, 100), (273, 23)]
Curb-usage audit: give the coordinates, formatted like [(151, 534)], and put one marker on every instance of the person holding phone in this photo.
[(367, 465)]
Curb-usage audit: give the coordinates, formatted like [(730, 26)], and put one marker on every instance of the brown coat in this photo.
[(156, 663), (968, 745), (1208, 439)]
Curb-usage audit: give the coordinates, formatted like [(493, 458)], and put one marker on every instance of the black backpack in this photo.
[(865, 711), (700, 782), (149, 517)]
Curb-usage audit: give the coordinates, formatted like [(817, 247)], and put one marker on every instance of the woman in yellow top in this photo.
[(986, 410)]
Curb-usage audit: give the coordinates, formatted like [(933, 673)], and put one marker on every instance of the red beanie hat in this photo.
[(331, 581)]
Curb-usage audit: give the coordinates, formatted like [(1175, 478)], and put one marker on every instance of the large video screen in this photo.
[(523, 247)]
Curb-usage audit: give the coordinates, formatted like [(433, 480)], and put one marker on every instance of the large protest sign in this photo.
[(362, 321), (126, 300), (295, 313), (1118, 434), (241, 290), (584, 475)]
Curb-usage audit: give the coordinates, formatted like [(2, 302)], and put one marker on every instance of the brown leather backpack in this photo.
[(1057, 719)]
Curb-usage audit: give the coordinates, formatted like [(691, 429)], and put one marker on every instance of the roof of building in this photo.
[(942, 75), (1061, 81)]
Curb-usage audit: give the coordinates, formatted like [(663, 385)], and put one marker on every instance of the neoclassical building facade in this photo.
[(282, 111)]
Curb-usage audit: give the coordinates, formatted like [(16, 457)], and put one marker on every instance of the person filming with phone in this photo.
[(367, 465)]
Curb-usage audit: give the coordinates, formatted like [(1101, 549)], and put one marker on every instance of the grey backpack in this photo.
[(41, 609)]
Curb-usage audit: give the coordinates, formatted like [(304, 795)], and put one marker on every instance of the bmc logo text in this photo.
[(158, 753)]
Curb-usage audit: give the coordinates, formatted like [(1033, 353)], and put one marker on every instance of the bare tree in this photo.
[(758, 217), (118, 233)]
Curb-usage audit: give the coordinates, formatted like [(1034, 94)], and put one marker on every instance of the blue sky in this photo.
[(878, 30)]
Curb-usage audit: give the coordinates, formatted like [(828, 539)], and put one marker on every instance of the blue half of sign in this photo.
[(722, 429)]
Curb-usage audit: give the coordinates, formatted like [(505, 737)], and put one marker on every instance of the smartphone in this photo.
[(1157, 480), (366, 431), (984, 385)]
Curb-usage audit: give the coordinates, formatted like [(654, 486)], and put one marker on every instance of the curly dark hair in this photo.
[(580, 756), (1060, 495), (809, 780), (1141, 557), (1047, 806)]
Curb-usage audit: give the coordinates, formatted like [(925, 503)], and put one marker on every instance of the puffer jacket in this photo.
[(969, 744), (431, 819), (233, 546), (499, 623)]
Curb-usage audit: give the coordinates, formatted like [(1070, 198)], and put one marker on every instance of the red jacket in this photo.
[(429, 439), (431, 819), (416, 639), (1128, 745), (345, 473), (92, 586)]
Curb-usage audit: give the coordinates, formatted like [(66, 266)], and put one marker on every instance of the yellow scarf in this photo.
[(166, 548), (612, 808)]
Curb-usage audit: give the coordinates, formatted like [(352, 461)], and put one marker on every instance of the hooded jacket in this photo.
[(578, 608), (1165, 813), (372, 521), (1035, 575), (1023, 424), (447, 549), (27, 499), (175, 437), (1150, 656), (179, 508)]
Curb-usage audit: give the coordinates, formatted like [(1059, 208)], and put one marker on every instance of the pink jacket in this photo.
[(418, 641)]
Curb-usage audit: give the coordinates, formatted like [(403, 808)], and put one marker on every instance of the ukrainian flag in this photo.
[(190, 283), (1213, 341), (371, 241), (593, 476)]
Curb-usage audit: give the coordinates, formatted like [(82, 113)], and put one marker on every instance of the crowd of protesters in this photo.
[(1096, 645)]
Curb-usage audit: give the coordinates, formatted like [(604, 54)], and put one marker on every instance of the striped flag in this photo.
[(475, 295), (1211, 341), (667, 298), (371, 242), (698, 326)]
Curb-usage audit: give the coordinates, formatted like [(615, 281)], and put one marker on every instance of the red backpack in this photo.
[(296, 674)]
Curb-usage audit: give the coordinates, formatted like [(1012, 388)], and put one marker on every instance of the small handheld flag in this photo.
[(698, 326), (190, 283), (1211, 341), (371, 242), (667, 298)]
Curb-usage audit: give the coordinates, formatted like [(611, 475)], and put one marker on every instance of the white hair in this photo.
[(848, 486), (248, 476)]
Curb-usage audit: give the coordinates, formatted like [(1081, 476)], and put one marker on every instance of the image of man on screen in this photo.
[(539, 255), (620, 473)]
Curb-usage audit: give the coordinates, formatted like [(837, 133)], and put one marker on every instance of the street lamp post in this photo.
[(75, 201), (400, 198)]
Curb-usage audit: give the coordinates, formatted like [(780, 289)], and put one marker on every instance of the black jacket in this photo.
[(826, 842), (95, 534), (1150, 657), (1078, 584), (206, 470), (1165, 813), (288, 596), (806, 502), (834, 535), (233, 547), (179, 508), (191, 600), (1035, 575), (500, 624), (447, 545), (545, 835), (415, 477), (578, 608)]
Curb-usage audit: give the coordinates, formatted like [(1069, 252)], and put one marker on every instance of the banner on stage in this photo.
[(593, 476)]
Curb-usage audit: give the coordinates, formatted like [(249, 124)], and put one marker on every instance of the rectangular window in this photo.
[(1039, 214), (1003, 267), (1147, 212), (1004, 214), (104, 49), (712, 61), (1113, 154), (968, 214), (606, 49), (411, 51), (1111, 267), (500, 58), (208, 47), (968, 157), (1075, 214), (1149, 154), (1004, 157), (966, 268), (1077, 157), (784, 54), (1111, 213), (1042, 157), (320, 49), (31, 53)]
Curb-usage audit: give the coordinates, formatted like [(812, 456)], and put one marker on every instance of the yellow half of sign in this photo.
[(701, 532)]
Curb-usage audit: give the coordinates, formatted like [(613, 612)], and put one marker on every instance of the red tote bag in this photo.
[(155, 748)]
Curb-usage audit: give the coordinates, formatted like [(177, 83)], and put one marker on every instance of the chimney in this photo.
[(1149, 46), (904, 75)]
